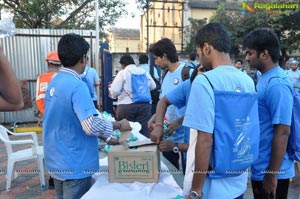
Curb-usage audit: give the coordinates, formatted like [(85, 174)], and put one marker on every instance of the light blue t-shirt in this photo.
[(192, 64), (170, 82), (275, 102), (146, 67), (200, 115), (92, 77), (69, 153), (179, 98), (294, 77)]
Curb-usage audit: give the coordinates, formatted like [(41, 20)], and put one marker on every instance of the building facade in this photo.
[(124, 40)]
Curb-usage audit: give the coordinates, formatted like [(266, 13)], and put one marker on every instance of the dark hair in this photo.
[(262, 39), (192, 56), (166, 46), (238, 60), (71, 48), (143, 59), (214, 34), (126, 60)]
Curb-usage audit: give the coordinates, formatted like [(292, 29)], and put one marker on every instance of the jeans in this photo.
[(72, 189)]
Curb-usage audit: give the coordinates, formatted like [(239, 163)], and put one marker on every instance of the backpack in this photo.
[(185, 72), (155, 92), (236, 133), (293, 147), (140, 88), (85, 79)]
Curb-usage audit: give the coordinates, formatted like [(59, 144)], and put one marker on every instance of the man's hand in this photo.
[(173, 125), (270, 184), (166, 145), (156, 134), (113, 141), (124, 125), (151, 123)]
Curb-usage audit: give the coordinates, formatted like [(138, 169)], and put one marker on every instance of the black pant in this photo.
[(135, 112), (153, 110), (281, 191), (95, 104), (172, 157)]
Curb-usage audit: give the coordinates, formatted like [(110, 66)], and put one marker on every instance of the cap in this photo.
[(53, 58), (294, 62)]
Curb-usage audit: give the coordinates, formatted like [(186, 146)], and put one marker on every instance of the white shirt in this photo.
[(121, 86)]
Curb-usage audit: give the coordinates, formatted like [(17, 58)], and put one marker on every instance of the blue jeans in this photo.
[(72, 189)]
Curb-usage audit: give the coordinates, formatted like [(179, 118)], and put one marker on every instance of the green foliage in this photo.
[(63, 14), (286, 24), (191, 31), (231, 20), (142, 4)]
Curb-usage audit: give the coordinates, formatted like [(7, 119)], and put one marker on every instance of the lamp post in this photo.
[(97, 34)]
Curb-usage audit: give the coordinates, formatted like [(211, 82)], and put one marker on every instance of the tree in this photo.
[(78, 14), (190, 32), (231, 21), (142, 5), (285, 23)]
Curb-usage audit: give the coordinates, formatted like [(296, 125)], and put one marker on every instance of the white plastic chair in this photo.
[(34, 152)]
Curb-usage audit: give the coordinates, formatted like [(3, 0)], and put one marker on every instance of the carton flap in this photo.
[(140, 143)]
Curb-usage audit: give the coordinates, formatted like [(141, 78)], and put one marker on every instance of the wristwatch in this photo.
[(195, 195), (175, 148)]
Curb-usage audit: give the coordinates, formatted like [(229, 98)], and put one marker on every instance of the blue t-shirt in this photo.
[(200, 115), (275, 102), (170, 82), (92, 77), (69, 153), (146, 67), (179, 98), (294, 77)]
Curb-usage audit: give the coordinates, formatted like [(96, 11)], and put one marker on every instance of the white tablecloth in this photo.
[(166, 188)]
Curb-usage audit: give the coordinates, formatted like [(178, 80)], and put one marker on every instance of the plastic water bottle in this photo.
[(7, 28)]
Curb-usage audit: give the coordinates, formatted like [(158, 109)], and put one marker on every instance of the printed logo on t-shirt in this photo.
[(52, 91)]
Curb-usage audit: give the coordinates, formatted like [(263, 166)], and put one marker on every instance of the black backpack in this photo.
[(185, 72), (156, 92)]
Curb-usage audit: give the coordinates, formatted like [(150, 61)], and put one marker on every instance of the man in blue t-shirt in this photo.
[(294, 74), (165, 56), (71, 124), (178, 97), (92, 80), (213, 47), (273, 168)]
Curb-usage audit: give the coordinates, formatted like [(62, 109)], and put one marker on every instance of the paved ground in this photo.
[(27, 185)]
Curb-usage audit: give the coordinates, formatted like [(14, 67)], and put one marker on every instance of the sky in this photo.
[(132, 10)]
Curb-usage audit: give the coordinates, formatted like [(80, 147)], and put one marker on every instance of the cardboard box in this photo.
[(134, 161)]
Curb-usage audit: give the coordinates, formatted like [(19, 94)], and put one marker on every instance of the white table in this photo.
[(166, 188)]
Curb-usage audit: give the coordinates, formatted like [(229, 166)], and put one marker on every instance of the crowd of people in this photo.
[(188, 125)]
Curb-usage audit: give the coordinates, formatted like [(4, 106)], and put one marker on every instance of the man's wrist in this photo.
[(116, 125), (175, 148), (108, 139), (158, 124), (195, 195)]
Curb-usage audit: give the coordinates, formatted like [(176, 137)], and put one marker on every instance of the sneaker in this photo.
[(50, 183)]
